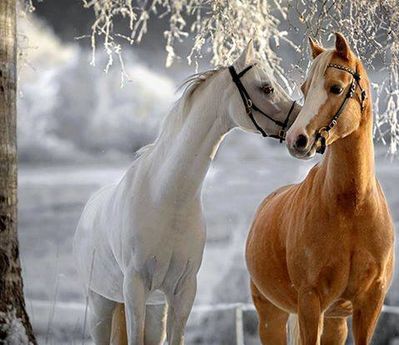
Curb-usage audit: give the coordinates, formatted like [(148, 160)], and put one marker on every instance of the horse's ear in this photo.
[(315, 48), (341, 46), (247, 56)]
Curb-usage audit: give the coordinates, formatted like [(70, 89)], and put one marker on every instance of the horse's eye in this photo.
[(267, 89), (336, 89)]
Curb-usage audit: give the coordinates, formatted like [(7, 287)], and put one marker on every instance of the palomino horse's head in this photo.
[(334, 99), (256, 100)]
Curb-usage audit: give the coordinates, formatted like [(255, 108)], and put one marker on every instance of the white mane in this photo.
[(173, 122)]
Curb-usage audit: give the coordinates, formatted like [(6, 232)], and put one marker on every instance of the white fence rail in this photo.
[(67, 316)]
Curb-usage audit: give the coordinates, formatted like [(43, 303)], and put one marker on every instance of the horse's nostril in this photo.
[(301, 141)]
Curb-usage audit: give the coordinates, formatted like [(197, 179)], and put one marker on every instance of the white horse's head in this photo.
[(266, 96)]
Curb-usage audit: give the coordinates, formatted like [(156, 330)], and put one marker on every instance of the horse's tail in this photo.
[(155, 325), (294, 337)]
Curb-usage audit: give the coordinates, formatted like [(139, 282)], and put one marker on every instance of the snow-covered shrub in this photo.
[(67, 109), (223, 27)]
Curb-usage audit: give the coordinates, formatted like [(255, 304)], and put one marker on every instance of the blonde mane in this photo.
[(176, 117), (319, 65)]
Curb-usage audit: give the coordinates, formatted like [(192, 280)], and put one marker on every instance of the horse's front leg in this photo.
[(366, 310), (135, 295), (180, 305), (310, 316)]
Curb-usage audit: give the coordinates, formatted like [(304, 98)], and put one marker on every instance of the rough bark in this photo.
[(13, 317)]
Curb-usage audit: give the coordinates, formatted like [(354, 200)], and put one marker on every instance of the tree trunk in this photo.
[(15, 327)]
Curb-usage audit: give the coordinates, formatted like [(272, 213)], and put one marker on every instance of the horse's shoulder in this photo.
[(276, 194), (281, 190)]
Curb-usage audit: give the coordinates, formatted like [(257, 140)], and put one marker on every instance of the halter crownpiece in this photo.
[(250, 106), (323, 133)]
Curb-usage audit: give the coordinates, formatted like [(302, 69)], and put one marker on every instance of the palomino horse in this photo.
[(147, 233), (322, 249)]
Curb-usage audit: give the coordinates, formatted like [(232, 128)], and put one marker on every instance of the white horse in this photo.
[(146, 233)]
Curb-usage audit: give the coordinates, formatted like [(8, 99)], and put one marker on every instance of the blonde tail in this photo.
[(294, 337), (155, 325)]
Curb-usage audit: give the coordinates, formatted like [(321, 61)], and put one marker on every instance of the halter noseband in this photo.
[(323, 133), (250, 106)]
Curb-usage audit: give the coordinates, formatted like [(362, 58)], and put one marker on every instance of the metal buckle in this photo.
[(321, 141), (323, 132), (352, 90), (321, 145), (281, 135), (332, 124)]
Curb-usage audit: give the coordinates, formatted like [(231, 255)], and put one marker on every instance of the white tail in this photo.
[(294, 337)]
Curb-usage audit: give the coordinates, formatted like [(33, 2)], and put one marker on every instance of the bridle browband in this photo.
[(250, 106), (323, 133)]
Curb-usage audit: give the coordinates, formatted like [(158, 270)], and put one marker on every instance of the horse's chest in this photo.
[(162, 243), (365, 269), (340, 256)]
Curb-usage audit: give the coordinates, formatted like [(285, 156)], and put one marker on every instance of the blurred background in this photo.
[(78, 130)]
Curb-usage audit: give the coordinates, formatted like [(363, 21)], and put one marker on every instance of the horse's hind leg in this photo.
[(119, 334), (100, 318), (272, 320), (335, 331), (155, 325)]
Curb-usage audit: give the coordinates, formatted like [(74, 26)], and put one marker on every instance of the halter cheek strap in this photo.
[(250, 106), (323, 133)]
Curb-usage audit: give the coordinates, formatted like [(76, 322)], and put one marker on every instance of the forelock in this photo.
[(319, 65)]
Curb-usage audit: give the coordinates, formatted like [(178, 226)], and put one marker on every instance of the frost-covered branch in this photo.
[(223, 27), (373, 29)]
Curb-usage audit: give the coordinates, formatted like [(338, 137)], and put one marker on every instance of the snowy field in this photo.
[(245, 170)]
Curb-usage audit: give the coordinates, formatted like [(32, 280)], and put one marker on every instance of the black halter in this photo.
[(323, 133), (250, 106)]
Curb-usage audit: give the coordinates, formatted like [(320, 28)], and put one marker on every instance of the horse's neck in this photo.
[(349, 164), (181, 158)]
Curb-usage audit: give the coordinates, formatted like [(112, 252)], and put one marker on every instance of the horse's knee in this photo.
[(335, 331)]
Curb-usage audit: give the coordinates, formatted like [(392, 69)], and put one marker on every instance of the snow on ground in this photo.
[(245, 170)]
